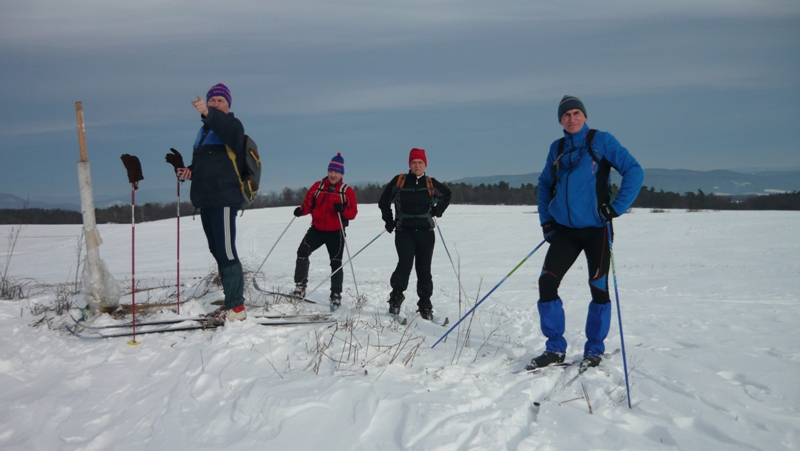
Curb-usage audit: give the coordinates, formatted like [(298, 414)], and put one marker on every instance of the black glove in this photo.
[(549, 230), (390, 226), (134, 168), (175, 159), (607, 213), (435, 212), (298, 211), (338, 207)]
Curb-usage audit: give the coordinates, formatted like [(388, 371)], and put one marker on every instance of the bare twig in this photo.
[(586, 395)]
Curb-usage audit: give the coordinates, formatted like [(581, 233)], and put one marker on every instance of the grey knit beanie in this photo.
[(570, 103)]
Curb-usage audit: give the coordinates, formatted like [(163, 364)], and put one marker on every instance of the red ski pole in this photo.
[(178, 288), (134, 168)]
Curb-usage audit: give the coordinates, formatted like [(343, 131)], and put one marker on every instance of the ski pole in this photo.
[(134, 168), (458, 277), (133, 261), (488, 294), (619, 313), (348, 261), (352, 270), (178, 259), (255, 284)]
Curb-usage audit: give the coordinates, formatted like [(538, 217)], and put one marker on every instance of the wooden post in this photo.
[(81, 130)]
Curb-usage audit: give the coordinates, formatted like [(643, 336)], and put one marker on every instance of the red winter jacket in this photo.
[(323, 217)]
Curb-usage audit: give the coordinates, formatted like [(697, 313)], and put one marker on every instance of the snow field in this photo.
[(709, 307)]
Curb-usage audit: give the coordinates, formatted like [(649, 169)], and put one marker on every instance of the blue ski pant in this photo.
[(219, 225)]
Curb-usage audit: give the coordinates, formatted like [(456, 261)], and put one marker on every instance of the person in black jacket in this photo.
[(217, 193), (417, 199)]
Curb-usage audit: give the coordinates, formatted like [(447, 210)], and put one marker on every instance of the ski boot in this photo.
[(546, 359), (299, 291), (589, 361), (220, 315), (336, 301), (426, 314), (396, 299)]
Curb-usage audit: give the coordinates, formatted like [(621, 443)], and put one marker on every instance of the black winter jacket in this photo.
[(413, 202), (214, 179)]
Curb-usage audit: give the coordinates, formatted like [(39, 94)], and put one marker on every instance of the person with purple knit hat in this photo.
[(216, 192), (332, 205)]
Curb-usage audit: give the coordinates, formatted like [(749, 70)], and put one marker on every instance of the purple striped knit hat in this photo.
[(219, 90), (337, 164)]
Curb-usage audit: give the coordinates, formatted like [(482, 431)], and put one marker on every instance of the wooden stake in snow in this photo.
[(101, 291)]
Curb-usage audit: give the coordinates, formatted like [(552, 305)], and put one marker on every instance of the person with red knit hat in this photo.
[(332, 205), (417, 199)]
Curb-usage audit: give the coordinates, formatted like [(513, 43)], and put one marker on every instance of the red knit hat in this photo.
[(417, 154)]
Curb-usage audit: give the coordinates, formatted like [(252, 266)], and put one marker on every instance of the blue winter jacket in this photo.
[(574, 204), (214, 179)]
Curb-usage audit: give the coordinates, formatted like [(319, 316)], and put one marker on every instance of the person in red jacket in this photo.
[(332, 205)]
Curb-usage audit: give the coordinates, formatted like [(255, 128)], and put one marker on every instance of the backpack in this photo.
[(401, 179), (603, 186), (345, 221), (250, 175)]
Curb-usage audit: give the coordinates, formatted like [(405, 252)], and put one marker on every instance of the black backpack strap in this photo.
[(316, 194), (602, 186), (319, 190)]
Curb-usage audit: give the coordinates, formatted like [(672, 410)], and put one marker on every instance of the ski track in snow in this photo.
[(710, 308)]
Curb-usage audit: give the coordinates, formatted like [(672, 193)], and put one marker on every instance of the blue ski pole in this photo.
[(619, 314), (488, 294)]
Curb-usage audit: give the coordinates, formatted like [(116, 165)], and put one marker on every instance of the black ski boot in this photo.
[(589, 361), (546, 359), (426, 314), (299, 291), (396, 299), (336, 301)]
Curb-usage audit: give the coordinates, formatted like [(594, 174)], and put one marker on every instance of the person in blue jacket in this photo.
[(576, 209), (217, 193)]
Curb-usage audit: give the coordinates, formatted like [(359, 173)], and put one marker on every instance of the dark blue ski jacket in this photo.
[(575, 202), (214, 179)]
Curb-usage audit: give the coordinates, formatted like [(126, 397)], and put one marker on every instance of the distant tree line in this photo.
[(492, 194)]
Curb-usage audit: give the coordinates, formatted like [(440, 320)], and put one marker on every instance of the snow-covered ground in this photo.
[(710, 307)]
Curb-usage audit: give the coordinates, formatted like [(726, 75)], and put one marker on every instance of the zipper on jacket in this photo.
[(566, 185)]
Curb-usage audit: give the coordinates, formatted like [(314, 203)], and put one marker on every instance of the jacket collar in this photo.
[(580, 134)]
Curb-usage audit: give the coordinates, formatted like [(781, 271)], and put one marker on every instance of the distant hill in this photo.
[(11, 201), (684, 180), (143, 196), (679, 181)]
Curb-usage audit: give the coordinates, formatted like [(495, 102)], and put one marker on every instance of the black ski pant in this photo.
[(565, 247), (313, 240), (414, 248)]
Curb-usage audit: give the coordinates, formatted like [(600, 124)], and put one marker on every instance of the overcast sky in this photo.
[(694, 84)]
